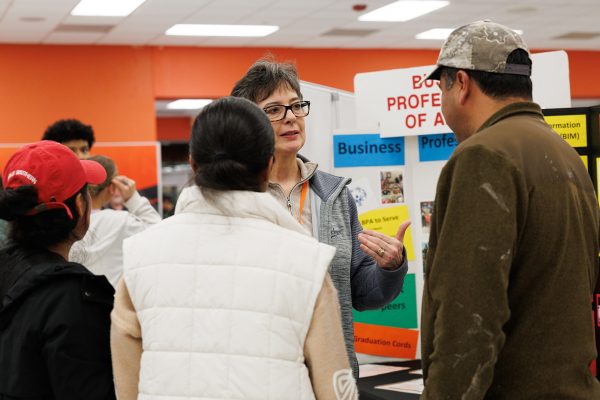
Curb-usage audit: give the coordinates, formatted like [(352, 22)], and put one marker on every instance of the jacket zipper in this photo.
[(289, 197)]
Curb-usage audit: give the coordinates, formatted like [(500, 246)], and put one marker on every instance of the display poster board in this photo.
[(393, 179), (330, 109), (579, 127), (395, 157)]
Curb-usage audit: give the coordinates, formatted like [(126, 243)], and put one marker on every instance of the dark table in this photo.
[(366, 386)]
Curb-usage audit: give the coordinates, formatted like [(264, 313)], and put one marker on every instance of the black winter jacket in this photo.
[(54, 328)]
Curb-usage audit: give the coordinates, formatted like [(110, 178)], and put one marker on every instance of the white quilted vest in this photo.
[(225, 302)]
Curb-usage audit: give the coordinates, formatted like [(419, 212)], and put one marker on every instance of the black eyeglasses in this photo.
[(278, 111)]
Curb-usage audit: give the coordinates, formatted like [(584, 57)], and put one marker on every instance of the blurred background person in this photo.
[(74, 134), (116, 202), (230, 297), (369, 267), (101, 248), (54, 314), (168, 206)]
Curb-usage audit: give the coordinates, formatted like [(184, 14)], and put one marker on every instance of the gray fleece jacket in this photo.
[(360, 282)]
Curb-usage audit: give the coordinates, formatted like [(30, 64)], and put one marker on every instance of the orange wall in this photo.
[(113, 88), (212, 72), (173, 128), (109, 87)]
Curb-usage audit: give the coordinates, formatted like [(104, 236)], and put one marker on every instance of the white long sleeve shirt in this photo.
[(101, 250)]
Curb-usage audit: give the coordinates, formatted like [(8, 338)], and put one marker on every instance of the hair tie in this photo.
[(220, 156)]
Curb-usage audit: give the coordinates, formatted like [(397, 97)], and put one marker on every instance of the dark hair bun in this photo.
[(220, 175), (15, 203), (232, 143), (41, 229)]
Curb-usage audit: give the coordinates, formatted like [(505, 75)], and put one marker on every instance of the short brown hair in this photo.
[(264, 77), (111, 169)]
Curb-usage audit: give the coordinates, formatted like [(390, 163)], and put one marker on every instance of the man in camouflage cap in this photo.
[(481, 46), (513, 248)]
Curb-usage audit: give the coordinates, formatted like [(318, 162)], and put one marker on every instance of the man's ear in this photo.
[(464, 82)]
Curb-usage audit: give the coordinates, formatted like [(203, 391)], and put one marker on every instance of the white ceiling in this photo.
[(303, 23)]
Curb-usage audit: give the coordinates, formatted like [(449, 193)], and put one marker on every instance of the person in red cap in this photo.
[(54, 314)]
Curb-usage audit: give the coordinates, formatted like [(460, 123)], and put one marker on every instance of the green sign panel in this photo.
[(400, 313)]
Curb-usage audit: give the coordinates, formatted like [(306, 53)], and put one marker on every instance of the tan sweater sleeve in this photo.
[(126, 344), (325, 351)]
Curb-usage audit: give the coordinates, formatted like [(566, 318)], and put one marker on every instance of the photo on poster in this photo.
[(392, 187), (426, 213), (359, 194), (364, 192)]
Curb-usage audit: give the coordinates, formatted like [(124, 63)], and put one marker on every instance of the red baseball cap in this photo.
[(54, 170)]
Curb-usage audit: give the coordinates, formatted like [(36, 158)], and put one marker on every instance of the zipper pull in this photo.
[(289, 204)]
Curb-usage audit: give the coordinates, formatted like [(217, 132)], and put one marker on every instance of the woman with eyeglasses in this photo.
[(369, 267)]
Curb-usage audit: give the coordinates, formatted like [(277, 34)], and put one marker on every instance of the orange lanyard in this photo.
[(302, 198)]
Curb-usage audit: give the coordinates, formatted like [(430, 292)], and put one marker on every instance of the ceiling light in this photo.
[(221, 30), (401, 11), (106, 8), (188, 104), (443, 33)]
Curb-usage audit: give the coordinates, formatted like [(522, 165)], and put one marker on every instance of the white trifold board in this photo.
[(330, 109)]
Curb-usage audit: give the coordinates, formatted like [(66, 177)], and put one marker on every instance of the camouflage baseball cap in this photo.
[(481, 46)]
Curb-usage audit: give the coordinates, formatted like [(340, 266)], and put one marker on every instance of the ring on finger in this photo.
[(380, 251)]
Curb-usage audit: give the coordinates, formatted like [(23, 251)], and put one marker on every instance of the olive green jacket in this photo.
[(511, 267)]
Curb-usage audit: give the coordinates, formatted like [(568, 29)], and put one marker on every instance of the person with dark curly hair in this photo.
[(54, 314), (74, 134)]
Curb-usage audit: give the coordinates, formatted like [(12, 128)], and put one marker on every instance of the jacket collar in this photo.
[(323, 184), (524, 107), (236, 203), (24, 269), (307, 171), (307, 168)]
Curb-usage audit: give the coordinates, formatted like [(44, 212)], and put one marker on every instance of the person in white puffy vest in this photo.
[(229, 298)]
